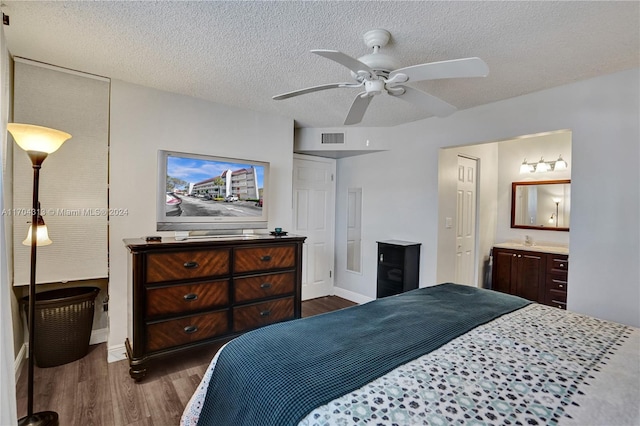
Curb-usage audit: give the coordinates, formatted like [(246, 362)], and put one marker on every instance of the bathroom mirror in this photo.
[(544, 205)]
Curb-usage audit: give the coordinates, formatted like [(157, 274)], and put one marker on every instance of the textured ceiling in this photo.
[(243, 53)]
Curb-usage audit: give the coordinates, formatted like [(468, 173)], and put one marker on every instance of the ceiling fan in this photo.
[(378, 72)]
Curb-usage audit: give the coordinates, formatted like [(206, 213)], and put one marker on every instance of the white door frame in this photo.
[(320, 268)]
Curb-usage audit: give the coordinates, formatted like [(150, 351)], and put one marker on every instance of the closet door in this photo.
[(73, 180)]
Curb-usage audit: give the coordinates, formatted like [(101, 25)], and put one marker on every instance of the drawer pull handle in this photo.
[(190, 297), (265, 286), (562, 265), (265, 313), (265, 258), (191, 265), (191, 329)]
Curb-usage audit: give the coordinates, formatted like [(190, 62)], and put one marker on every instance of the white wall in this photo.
[(602, 113), (144, 120)]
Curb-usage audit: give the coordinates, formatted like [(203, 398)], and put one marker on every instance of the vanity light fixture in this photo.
[(543, 166), (560, 164), (526, 167)]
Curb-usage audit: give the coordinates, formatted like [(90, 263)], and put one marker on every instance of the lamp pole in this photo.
[(43, 417), (38, 142)]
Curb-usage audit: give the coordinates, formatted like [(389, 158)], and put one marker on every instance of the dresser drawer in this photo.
[(259, 314), (183, 265), (263, 258), (167, 334), (557, 298), (186, 298), (261, 286), (557, 282), (559, 264)]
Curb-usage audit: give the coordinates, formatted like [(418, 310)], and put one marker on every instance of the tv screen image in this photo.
[(207, 192)]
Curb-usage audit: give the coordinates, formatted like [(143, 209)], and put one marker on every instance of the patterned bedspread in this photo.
[(535, 366)]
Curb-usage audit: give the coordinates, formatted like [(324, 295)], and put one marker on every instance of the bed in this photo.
[(447, 354)]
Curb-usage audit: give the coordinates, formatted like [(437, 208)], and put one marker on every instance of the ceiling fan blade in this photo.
[(313, 89), (427, 102), (358, 108), (344, 59), (456, 68)]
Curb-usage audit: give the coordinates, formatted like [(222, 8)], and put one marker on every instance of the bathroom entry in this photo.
[(466, 205)]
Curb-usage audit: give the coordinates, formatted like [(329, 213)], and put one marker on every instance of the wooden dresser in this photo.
[(188, 293)]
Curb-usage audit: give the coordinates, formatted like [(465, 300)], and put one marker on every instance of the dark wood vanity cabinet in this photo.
[(537, 276), (556, 280), (521, 273), (188, 293)]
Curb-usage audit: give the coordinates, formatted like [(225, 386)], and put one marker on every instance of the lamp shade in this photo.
[(560, 164), (42, 236), (37, 138), (542, 167), (526, 167)]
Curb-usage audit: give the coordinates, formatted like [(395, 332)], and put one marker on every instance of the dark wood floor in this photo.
[(91, 391)]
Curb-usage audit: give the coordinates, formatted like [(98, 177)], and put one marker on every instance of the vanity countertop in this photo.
[(534, 247)]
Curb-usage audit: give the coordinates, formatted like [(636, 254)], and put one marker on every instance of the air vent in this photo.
[(332, 138)]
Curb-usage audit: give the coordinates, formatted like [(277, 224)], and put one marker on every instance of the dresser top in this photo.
[(399, 243), (141, 244)]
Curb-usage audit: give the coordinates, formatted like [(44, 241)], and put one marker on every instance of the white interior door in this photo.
[(466, 222), (314, 217)]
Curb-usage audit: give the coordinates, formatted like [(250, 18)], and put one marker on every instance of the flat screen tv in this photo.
[(220, 195)]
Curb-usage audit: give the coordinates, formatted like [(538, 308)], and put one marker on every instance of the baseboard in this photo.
[(351, 295), (22, 355), (116, 353)]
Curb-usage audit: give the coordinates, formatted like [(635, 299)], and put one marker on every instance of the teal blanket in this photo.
[(277, 374)]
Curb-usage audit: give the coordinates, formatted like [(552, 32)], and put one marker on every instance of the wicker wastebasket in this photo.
[(63, 322)]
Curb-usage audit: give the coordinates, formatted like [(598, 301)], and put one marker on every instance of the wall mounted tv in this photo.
[(210, 193)]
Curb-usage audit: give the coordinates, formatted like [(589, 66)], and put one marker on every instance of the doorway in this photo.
[(314, 217), (466, 207), (498, 167)]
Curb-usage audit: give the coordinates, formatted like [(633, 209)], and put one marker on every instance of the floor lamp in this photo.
[(38, 142)]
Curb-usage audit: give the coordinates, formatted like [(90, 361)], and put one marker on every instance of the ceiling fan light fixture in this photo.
[(374, 87)]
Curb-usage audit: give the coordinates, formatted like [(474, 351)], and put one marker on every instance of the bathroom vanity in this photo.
[(536, 273)]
